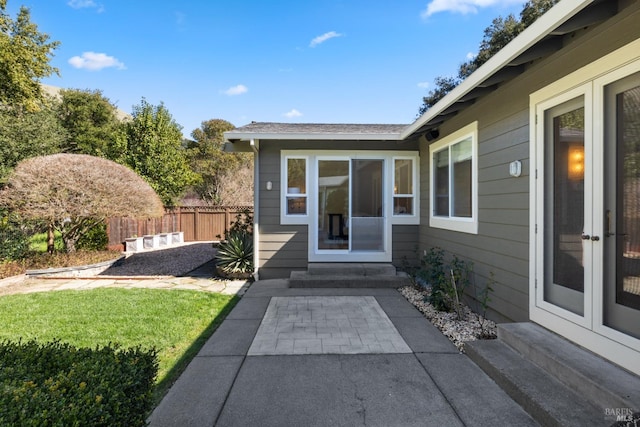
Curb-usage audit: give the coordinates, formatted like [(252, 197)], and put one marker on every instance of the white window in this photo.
[(404, 187), (301, 192), (295, 179), (454, 181)]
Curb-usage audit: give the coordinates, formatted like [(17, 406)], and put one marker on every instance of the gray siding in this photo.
[(284, 248), (501, 246)]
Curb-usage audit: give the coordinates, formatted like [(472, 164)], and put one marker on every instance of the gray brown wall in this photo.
[(502, 243), (284, 248)]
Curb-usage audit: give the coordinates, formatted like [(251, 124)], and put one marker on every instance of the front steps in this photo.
[(554, 380), (348, 275)]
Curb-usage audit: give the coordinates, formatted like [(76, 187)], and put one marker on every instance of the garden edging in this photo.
[(77, 271)]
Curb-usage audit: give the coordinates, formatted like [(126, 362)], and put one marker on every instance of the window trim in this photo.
[(460, 224), (414, 218), (285, 217), (311, 157)]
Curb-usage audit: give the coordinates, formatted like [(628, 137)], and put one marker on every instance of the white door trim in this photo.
[(588, 331)]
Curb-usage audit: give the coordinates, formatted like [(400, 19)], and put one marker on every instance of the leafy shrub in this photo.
[(242, 224), (447, 281), (432, 272), (14, 240), (58, 384), (95, 239)]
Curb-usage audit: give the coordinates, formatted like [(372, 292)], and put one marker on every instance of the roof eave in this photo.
[(543, 26), (242, 136)]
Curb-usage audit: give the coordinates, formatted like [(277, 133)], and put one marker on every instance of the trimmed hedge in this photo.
[(56, 384)]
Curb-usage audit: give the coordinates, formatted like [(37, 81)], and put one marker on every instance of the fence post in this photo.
[(196, 214)]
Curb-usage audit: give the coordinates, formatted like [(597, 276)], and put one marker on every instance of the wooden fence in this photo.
[(199, 223)]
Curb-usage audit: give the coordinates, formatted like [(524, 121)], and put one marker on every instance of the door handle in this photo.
[(587, 237), (608, 232)]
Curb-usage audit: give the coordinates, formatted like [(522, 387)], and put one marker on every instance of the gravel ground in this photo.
[(458, 331), (172, 261)]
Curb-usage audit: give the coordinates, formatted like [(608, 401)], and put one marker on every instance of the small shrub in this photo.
[(447, 282), (242, 224), (95, 239), (58, 384), (483, 298), (14, 240), (235, 255), (432, 272), (460, 277)]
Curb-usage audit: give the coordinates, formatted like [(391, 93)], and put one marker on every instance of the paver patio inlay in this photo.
[(326, 325)]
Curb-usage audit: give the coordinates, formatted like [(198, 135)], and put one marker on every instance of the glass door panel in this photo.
[(621, 287), (367, 210), (333, 205), (564, 215)]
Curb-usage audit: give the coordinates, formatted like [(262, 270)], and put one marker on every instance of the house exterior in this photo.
[(528, 169)]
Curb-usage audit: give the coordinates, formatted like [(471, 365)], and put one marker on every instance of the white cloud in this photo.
[(423, 85), (292, 114), (463, 6), (323, 38), (93, 61), (236, 90), (470, 56), (83, 4)]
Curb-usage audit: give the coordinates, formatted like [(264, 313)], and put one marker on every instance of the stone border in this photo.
[(89, 270)]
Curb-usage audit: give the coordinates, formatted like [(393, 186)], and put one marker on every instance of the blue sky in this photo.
[(329, 61)]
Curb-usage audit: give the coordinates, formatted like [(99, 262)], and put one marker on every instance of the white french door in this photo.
[(586, 213)]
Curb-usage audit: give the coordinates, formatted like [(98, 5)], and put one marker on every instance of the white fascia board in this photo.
[(548, 22), (316, 136)]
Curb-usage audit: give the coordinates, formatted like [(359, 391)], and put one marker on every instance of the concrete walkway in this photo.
[(199, 279), (332, 357)]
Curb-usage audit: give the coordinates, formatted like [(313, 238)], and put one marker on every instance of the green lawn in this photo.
[(175, 322)]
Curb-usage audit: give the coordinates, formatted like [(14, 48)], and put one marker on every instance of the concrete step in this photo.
[(556, 381), (546, 399), (600, 381), (351, 269), (302, 279)]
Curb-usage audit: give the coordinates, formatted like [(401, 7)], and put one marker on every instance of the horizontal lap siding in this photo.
[(282, 247), (405, 244), (501, 246)]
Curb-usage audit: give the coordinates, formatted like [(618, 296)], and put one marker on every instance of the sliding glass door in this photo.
[(351, 219)]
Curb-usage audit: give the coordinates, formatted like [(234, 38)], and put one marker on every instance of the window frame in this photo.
[(451, 222), (285, 217), (414, 217), (311, 157)]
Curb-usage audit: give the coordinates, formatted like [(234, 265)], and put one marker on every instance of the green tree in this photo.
[(92, 124), (213, 165), (26, 134), (73, 193), (496, 36), (24, 59), (154, 150)]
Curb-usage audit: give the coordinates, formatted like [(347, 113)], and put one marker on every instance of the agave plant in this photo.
[(235, 255)]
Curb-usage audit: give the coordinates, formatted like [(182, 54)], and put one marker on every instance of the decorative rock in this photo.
[(471, 327)]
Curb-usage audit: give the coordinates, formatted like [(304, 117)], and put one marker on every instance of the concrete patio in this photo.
[(316, 357)]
